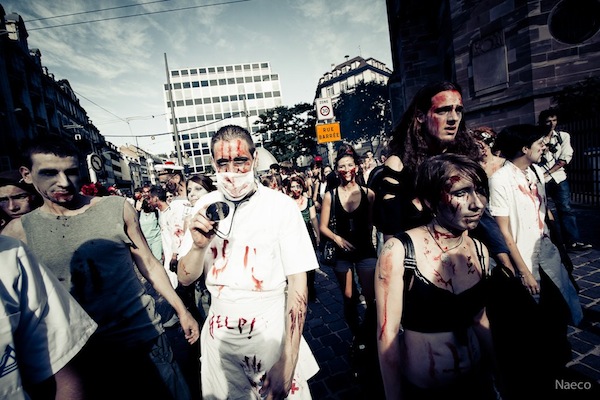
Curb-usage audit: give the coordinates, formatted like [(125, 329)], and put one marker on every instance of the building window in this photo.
[(207, 100), (224, 98), (229, 68), (216, 100), (222, 82), (264, 65), (184, 72), (174, 73), (182, 120), (220, 69), (195, 84), (238, 67), (211, 69), (186, 85), (213, 82), (177, 86), (204, 83), (193, 72), (274, 77), (189, 102), (490, 66), (191, 119), (239, 80), (231, 81), (246, 67), (202, 70), (179, 103)]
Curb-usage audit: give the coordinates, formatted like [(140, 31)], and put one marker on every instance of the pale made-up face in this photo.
[(15, 201), (55, 178), (195, 191), (535, 151), (346, 169), (444, 116), (461, 206), (296, 190)]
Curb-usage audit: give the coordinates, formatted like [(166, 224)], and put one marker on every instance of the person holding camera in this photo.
[(558, 154)]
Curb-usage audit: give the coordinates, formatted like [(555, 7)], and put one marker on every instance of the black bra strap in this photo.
[(410, 262), (480, 256)]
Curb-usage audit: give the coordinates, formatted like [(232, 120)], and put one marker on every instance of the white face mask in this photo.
[(234, 185)]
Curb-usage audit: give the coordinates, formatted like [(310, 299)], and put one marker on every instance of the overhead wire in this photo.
[(138, 15), (130, 16), (95, 11)]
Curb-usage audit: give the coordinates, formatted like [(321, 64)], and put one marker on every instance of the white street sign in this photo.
[(324, 108)]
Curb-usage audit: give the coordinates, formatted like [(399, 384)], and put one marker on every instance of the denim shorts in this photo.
[(363, 264)]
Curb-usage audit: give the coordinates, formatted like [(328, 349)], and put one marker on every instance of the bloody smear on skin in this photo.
[(442, 235), (441, 280), (297, 316), (386, 265)]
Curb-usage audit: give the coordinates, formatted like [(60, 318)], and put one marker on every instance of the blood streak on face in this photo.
[(443, 118)]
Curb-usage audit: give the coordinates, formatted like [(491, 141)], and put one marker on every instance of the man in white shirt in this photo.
[(558, 154), (255, 262), (42, 328)]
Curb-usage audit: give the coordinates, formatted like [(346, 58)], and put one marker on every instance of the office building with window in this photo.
[(207, 98)]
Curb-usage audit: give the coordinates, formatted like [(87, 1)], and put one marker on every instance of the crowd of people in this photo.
[(198, 287)]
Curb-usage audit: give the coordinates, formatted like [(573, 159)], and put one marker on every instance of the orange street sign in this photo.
[(328, 132)]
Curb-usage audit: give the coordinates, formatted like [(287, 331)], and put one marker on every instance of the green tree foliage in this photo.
[(291, 129), (579, 101), (364, 114)]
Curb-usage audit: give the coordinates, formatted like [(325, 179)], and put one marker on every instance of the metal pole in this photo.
[(172, 106)]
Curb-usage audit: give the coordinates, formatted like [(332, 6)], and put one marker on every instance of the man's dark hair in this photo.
[(408, 140), (158, 192), (48, 144), (230, 132), (544, 115), (434, 177), (512, 139)]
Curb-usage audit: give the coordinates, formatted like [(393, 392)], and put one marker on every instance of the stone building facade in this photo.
[(509, 56)]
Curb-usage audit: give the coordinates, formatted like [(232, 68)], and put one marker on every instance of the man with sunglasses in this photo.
[(255, 259)]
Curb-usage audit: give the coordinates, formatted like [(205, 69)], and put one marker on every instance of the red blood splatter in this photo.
[(294, 387), (246, 257), (214, 251)]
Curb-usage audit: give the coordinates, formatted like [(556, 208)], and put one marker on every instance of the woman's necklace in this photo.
[(447, 249)]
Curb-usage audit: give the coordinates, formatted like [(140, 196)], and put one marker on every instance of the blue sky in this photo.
[(117, 66)]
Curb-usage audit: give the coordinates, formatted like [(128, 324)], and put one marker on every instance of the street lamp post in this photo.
[(177, 146)]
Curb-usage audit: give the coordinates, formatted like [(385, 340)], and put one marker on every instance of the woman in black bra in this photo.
[(352, 205), (433, 332)]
